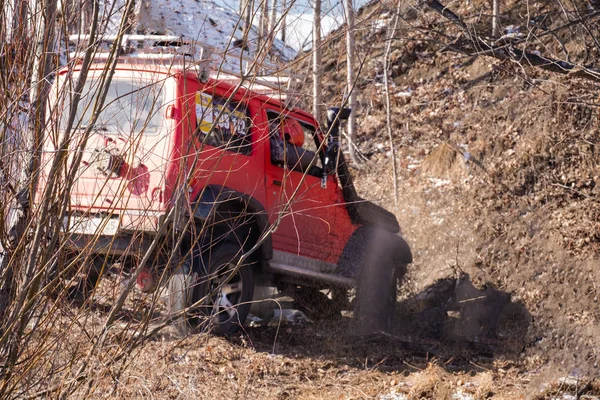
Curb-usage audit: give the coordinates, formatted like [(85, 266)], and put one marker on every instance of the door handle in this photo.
[(276, 182)]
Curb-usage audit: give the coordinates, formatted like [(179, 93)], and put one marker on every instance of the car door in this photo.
[(228, 155), (298, 198)]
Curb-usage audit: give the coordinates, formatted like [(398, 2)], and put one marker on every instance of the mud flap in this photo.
[(364, 243)]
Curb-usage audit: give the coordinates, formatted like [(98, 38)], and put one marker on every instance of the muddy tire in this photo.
[(73, 276), (375, 303), (382, 268)]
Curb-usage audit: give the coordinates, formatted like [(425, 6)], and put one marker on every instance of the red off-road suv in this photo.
[(213, 184)]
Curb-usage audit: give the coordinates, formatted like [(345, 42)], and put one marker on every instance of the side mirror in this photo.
[(334, 116)]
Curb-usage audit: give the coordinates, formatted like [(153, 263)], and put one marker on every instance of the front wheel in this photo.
[(376, 298), (74, 276)]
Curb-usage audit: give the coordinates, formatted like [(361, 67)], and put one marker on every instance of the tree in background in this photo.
[(351, 78), (36, 363), (495, 17), (264, 23), (273, 18), (283, 20), (316, 64)]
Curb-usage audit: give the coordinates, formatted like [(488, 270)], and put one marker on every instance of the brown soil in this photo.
[(498, 166)]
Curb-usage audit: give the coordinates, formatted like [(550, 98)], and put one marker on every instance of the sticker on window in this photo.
[(227, 123)]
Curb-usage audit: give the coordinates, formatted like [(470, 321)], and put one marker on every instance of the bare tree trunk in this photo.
[(283, 19), (388, 109), (273, 19), (44, 13), (349, 9), (317, 61), (495, 17), (264, 22), (40, 85), (249, 7), (19, 22)]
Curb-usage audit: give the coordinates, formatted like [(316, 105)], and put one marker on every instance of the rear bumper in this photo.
[(113, 245), (132, 231)]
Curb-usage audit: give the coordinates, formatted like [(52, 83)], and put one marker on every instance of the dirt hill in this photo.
[(498, 162)]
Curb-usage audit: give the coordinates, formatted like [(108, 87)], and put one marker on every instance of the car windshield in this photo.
[(131, 106)]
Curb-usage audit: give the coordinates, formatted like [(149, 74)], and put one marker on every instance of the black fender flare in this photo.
[(369, 241), (211, 197)]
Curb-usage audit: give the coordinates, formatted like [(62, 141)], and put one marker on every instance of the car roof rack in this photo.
[(260, 76)]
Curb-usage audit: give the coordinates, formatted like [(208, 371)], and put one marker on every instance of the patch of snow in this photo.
[(513, 36), (291, 316), (393, 396), (253, 320), (459, 395), (201, 20), (439, 182), (379, 24), (512, 29), (404, 93), (574, 378)]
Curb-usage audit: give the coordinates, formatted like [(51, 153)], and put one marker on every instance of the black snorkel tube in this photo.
[(359, 210), (332, 155)]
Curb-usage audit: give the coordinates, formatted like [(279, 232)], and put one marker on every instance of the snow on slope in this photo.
[(201, 20)]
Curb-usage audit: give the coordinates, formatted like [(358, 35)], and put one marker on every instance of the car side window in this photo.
[(224, 124), (293, 145)]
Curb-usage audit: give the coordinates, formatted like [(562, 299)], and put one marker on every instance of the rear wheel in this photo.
[(230, 286), (74, 276), (211, 290)]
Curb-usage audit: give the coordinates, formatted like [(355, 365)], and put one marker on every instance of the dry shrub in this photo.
[(431, 383), (445, 162)]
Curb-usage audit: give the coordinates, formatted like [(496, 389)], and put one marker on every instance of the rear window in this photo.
[(226, 124), (132, 106)]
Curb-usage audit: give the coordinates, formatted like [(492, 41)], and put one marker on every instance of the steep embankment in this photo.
[(497, 163)]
